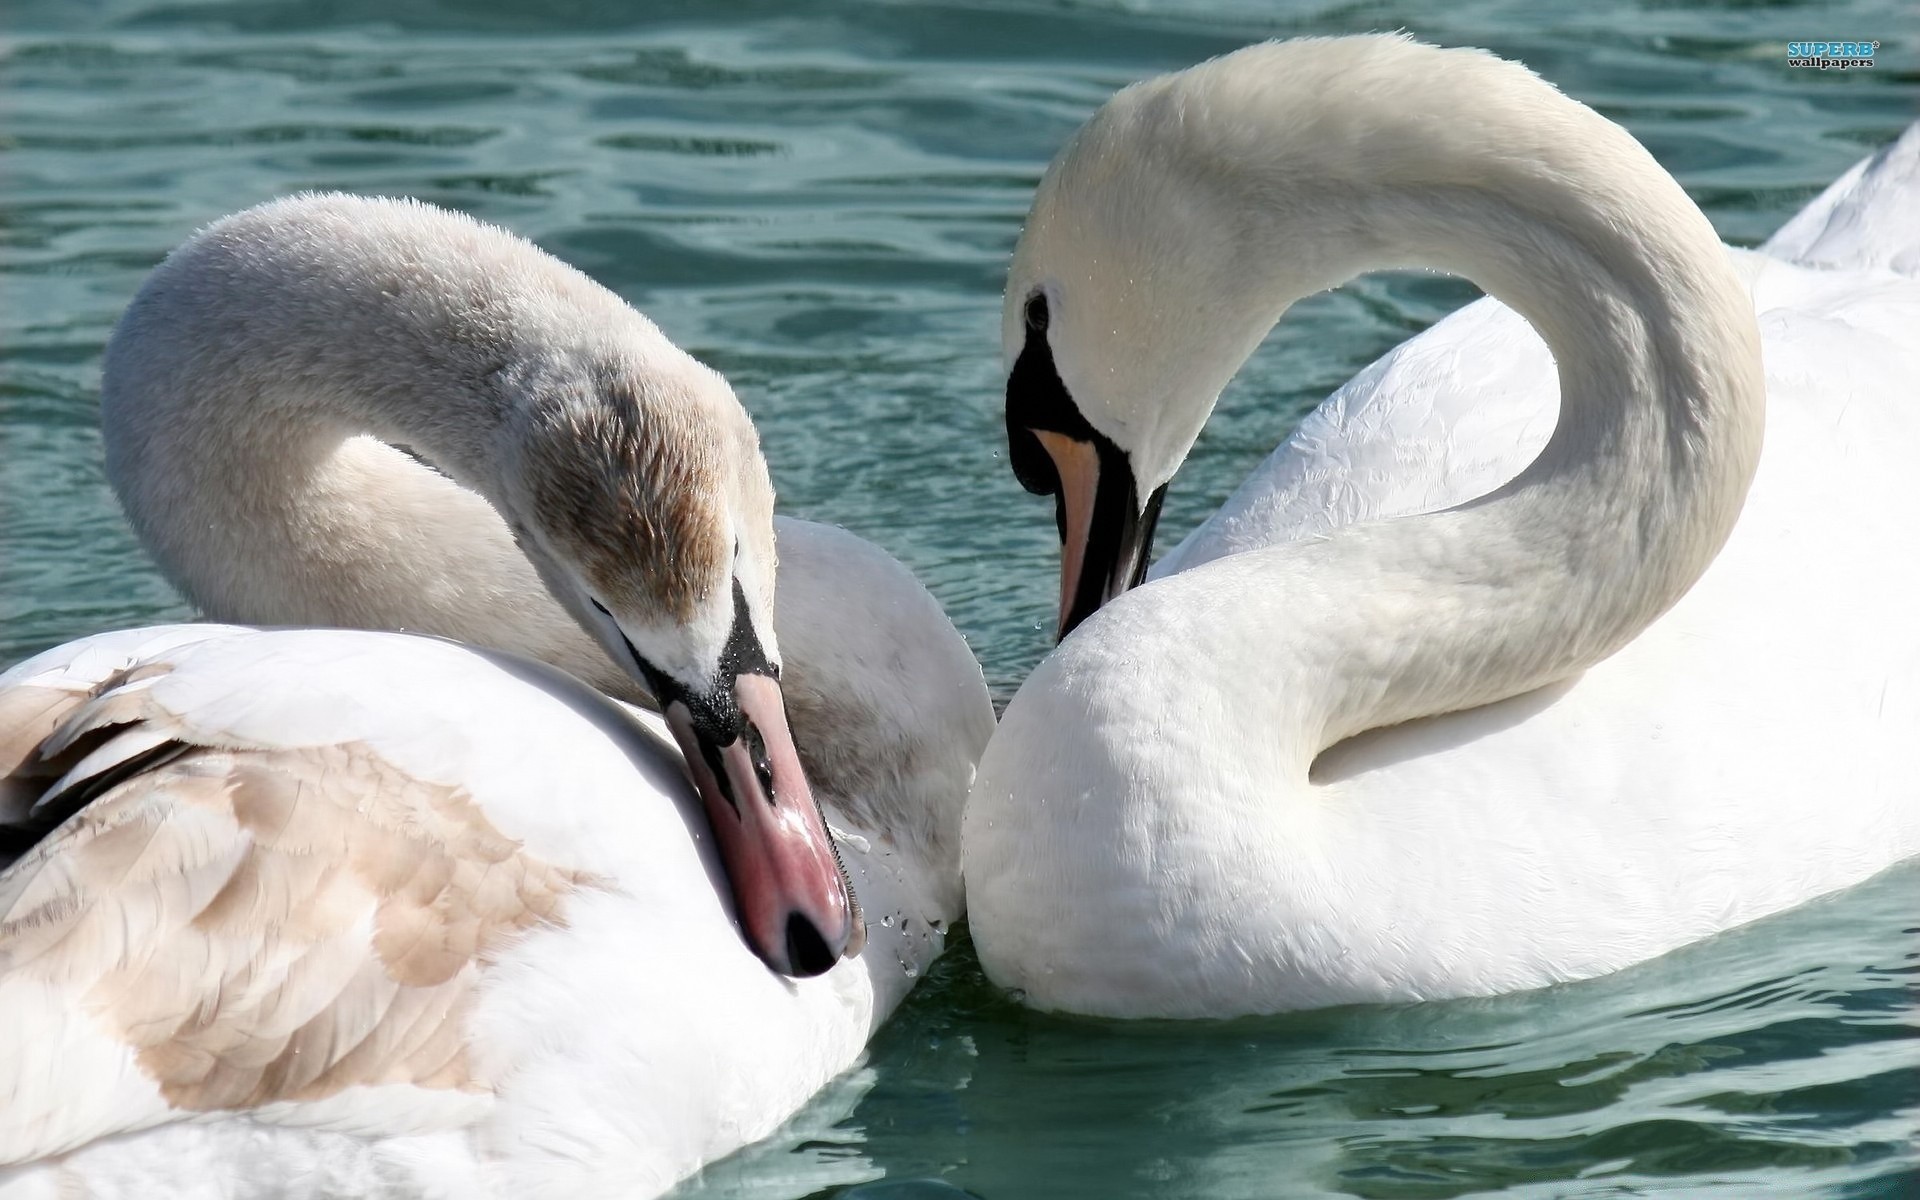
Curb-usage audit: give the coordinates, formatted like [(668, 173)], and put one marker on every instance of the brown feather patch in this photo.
[(278, 925), (631, 484)]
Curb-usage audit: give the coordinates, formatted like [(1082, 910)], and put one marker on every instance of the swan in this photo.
[(329, 911), (1458, 697)]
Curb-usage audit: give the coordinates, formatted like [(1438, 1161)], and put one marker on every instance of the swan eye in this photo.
[(714, 709), (1037, 314)]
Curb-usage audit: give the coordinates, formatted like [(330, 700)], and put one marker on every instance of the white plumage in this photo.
[(321, 912), (1176, 816), (615, 1035)]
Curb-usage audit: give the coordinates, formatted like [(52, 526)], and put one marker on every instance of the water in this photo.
[(820, 204)]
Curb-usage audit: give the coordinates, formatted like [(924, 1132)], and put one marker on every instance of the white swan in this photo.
[(365, 913), (1461, 752)]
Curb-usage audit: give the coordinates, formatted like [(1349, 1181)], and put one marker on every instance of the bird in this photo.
[(343, 909), (1481, 683)]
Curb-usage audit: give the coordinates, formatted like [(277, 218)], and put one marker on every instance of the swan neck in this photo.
[(1636, 491), (308, 416), (1564, 217)]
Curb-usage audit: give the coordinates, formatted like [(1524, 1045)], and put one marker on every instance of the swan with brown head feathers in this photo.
[(254, 392), (1597, 708), (387, 912)]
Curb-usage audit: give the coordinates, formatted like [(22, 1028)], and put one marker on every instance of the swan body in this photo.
[(1463, 692), (405, 918), (376, 914)]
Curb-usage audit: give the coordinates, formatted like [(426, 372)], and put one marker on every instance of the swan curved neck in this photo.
[(275, 393), (1300, 174), (272, 399), (1658, 438)]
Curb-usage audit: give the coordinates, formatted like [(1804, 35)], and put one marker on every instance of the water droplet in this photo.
[(887, 920)]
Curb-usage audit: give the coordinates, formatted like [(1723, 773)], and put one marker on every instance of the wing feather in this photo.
[(235, 926), (1867, 219)]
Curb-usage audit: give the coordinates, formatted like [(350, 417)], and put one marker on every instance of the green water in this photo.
[(819, 201)]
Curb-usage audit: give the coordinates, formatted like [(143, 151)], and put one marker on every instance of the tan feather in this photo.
[(633, 484), (28, 716), (262, 925)]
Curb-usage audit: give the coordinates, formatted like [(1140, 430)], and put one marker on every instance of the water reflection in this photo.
[(1774, 1061)]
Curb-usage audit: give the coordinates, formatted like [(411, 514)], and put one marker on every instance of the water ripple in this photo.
[(821, 204)]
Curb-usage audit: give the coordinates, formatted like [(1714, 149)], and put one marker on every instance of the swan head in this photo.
[(1164, 242), (1129, 306), (642, 499)]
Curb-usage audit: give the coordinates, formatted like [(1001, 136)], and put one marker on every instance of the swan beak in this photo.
[(791, 897), (1105, 533)]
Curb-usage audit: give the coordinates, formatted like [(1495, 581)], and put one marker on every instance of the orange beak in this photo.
[(1105, 534)]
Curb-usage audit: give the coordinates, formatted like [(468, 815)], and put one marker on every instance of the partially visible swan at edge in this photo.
[(373, 914), (1552, 731)]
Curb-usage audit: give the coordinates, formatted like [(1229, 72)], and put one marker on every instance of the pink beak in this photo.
[(789, 893)]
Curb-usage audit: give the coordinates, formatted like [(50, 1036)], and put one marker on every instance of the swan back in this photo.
[(285, 886), (391, 889), (1868, 218)]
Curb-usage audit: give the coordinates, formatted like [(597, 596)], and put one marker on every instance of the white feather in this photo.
[(608, 1048), (1145, 838)]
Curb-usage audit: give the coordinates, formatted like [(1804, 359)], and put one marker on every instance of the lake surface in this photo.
[(818, 200)]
